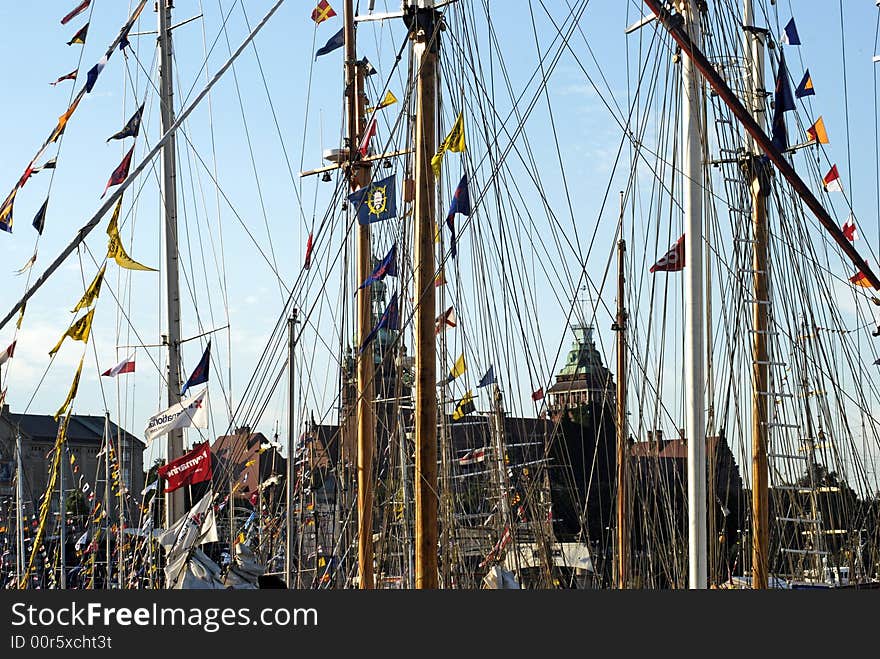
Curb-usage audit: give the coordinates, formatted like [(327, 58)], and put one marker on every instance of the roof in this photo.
[(239, 449), (670, 448), (82, 428)]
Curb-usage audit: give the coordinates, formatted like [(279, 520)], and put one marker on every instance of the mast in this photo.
[(291, 451), (693, 211), (19, 507), (359, 175), (120, 502), (62, 517), (174, 502), (421, 21), (106, 450), (622, 435), (759, 188)]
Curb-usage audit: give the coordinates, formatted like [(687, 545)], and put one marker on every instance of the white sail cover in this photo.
[(189, 412)]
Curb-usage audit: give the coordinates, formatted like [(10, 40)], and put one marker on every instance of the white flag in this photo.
[(197, 527), (190, 412), (7, 354)]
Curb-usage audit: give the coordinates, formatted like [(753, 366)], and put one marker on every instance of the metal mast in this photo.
[(173, 500), (291, 450)]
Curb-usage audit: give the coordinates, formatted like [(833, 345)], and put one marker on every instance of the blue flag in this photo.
[(388, 266), (791, 36), (336, 41), (461, 203), (200, 374), (806, 86), (388, 321), (489, 378), (375, 202), (92, 76), (783, 103)]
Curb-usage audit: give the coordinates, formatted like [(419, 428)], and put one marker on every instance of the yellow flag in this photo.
[(20, 316), (79, 331), (6, 211), (92, 291), (458, 369), (390, 99), (465, 406), (64, 118), (452, 142), (817, 132), (72, 393), (115, 250)]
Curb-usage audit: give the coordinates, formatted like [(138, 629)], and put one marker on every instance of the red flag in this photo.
[(125, 366), (120, 173), (447, 318), (849, 229), (309, 246), (67, 76), (189, 469), (673, 260), (322, 12), (368, 135), (7, 354), (860, 279), (831, 182), (539, 394), (76, 11)]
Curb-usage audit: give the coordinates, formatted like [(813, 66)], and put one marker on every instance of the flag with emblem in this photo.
[(132, 126), (673, 260), (375, 202), (78, 331), (190, 412)]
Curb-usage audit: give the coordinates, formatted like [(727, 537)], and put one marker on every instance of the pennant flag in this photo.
[(120, 173), (94, 72), (7, 354), (76, 11), (860, 279), (67, 76), (132, 126), (673, 260), (465, 406), (458, 369), (322, 12), (28, 172), (388, 321), (72, 393), (125, 366), (92, 291), (190, 412), (78, 331), (784, 102), (365, 140), (6, 211), (473, 456), (390, 99), (27, 266), (375, 202), (64, 118), (39, 222), (831, 182), (452, 142), (336, 41), (20, 316), (440, 278), (805, 88), (200, 373), (80, 36), (816, 132), (461, 203), (309, 247), (444, 320), (115, 250), (849, 229), (190, 468), (791, 36), (539, 394), (489, 378), (369, 69), (49, 164), (387, 266)]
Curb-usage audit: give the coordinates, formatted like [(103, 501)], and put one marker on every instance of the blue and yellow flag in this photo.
[(805, 88), (375, 202)]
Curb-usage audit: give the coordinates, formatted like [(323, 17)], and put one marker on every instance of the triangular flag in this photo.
[(7, 354), (849, 229), (72, 393), (76, 11), (440, 278), (817, 133), (64, 118), (444, 320), (6, 211), (369, 69), (67, 76), (452, 142), (120, 173), (115, 250), (465, 406), (783, 102), (336, 41), (861, 279), (78, 331), (539, 394), (790, 35), (200, 373), (322, 12), (94, 72), (309, 247), (125, 366), (831, 182), (388, 321), (132, 126), (27, 266), (488, 378), (368, 135), (805, 88), (40, 218), (461, 203), (80, 36), (458, 369), (389, 99), (92, 291), (387, 266), (673, 260)]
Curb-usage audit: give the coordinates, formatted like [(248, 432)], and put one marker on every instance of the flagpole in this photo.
[(359, 175), (62, 517), (19, 506), (623, 520), (291, 450), (174, 503)]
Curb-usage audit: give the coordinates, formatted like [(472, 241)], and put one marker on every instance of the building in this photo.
[(85, 437)]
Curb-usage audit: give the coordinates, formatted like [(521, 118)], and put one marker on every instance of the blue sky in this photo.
[(306, 98)]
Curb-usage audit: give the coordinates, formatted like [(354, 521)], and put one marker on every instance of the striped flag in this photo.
[(6, 355), (125, 366)]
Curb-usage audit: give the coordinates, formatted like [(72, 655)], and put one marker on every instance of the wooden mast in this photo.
[(759, 187), (421, 23), (622, 434), (358, 176)]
